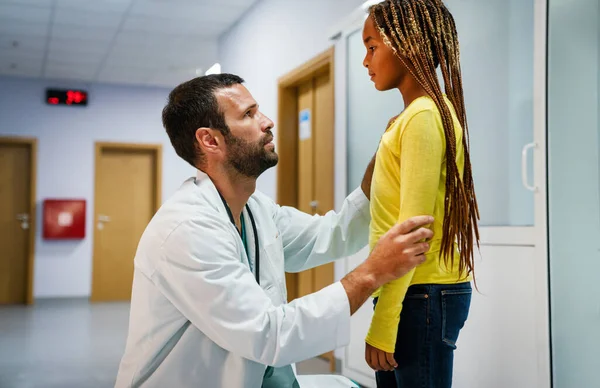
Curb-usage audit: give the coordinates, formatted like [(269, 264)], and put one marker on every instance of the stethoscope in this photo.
[(256, 249)]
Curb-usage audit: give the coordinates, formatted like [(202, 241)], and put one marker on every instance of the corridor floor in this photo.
[(70, 344)]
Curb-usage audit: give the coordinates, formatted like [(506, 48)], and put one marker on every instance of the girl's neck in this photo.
[(410, 90)]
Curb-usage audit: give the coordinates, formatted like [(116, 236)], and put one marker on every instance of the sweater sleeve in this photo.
[(421, 150)]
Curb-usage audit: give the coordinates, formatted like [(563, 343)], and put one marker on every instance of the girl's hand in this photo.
[(379, 360)]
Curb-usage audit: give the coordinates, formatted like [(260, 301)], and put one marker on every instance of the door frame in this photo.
[(339, 34), (540, 178), (287, 119), (288, 139), (32, 144), (127, 147)]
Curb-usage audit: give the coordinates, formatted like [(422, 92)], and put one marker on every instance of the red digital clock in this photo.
[(66, 97)]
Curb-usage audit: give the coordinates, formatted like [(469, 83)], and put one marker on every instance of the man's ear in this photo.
[(209, 140)]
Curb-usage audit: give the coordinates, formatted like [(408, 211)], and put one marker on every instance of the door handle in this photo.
[(24, 218), (524, 175), (313, 206), (103, 218)]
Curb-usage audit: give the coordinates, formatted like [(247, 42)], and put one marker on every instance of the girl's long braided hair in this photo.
[(423, 35)]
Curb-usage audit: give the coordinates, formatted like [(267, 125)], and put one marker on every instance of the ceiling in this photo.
[(142, 42)]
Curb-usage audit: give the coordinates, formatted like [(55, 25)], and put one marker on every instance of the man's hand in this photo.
[(398, 251), (365, 185), (379, 360)]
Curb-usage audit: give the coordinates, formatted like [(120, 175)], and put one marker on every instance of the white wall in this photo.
[(275, 37), (66, 137)]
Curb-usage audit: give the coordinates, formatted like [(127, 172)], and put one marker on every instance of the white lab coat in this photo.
[(198, 317)]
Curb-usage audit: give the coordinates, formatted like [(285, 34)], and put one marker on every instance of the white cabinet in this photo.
[(497, 346)]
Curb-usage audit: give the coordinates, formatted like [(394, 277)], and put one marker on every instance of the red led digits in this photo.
[(75, 97), (67, 97)]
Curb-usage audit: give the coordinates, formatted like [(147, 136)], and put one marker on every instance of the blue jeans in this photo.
[(431, 319)]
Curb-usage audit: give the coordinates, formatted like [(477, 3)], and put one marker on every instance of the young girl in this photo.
[(422, 168)]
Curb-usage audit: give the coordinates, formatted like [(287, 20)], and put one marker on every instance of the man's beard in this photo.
[(250, 159)]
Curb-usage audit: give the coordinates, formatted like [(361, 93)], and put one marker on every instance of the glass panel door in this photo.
[(573, 190)]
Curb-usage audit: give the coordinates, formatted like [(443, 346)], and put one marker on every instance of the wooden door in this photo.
[(305, 143), (306, 176), (315, 168), (323, 163), (16, 219), (126, 198)]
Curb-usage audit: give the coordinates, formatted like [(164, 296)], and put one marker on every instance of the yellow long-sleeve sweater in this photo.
[(410, 180)]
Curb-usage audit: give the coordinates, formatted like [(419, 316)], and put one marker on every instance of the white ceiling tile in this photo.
[(142, 62), (185, 12), (79, 46), (74, 57), (193, 45), (66, 70), (162, 45), (13, 27), (17, 42), (149, 24), (150, 47), (123, 79), (95, 5), (76, 17), (23, 13), (10, 54), (166, 59), (82, 70), (16, 67), (65, 31), (208, 29), (122, 74), (35, 3), (243, 4), (125, 57), (139, 40), (70, 72), (19, 73), (170, 79), (179, 3)]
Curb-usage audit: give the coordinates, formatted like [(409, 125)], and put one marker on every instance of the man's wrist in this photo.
[(359, 285), (367, 277)]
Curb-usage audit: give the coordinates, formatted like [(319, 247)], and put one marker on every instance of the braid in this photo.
[(422, 34)]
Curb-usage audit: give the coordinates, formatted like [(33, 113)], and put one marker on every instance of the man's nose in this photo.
[(267, 124)]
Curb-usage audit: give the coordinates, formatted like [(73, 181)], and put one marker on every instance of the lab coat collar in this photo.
[(209, 189), (204, 182)]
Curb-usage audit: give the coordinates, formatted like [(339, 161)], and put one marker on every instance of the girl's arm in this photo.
[(421, 148)]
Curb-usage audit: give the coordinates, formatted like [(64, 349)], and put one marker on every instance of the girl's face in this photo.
[(385, 69)]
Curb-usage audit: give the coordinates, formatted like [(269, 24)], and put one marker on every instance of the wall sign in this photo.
[(304, 127)]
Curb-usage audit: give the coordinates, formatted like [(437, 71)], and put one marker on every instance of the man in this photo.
[(208, 306)]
